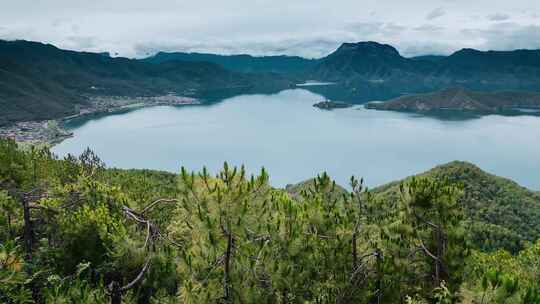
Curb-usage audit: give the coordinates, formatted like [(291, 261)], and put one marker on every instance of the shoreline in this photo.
[(52, 132)]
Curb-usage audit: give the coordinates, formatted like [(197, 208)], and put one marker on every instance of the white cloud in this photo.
[(135, 28), (498, 17), (506, 36), (429, 28), (436, 13), (83, 42)]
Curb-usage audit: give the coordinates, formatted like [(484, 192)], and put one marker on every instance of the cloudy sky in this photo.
[(310, 28)]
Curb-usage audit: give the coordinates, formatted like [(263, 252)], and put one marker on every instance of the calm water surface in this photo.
[(295, 141)]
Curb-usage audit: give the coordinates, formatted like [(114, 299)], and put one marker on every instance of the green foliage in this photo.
[(501, 277), (11, 211), (436, 217), (143, 186), (423, 241), (12, 164), (74, 288), (498, 212), (220, 228), (73, 231), (13, 279)]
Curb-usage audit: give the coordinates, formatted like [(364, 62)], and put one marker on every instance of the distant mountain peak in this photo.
[(369, 61), (467, 52), (368, 47)]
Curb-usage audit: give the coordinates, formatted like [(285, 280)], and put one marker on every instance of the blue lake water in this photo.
[(293, 140)]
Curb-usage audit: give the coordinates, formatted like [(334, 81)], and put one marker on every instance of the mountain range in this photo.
[(366, 71), (41, 81), (378, 68)]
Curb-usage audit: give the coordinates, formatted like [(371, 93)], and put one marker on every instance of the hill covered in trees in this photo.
[(242, 63), (460, 99), (500, 213), (39, 81), (74, 231)]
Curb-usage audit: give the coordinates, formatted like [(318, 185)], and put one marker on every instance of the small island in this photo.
[(460, 99), (329, 105)]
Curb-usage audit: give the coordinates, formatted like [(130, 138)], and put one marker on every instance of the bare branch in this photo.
[(159, 201), (431, 255), (139, 276)]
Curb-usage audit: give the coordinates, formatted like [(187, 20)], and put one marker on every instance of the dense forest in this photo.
[(74, 231)]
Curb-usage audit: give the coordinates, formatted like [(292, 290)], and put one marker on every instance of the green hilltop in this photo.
[(500, 213)]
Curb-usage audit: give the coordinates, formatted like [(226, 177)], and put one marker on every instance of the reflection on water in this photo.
[(294, 141), (525, 110)]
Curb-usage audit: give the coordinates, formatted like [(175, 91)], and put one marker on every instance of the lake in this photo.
[(294, 140)]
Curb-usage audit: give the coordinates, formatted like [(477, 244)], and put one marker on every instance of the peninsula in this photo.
[(51, 132), (460, 99)]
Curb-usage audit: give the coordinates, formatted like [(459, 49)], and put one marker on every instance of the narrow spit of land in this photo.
[(329, 105)]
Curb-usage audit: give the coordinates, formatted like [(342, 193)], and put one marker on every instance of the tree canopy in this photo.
[(74, 231)]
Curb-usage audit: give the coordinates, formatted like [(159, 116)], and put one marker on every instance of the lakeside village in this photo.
[(51, 132)]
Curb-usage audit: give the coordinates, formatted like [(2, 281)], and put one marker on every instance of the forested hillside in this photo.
[(74, 231), (39, 81), (242, 63), (460, 99), (499, 212)]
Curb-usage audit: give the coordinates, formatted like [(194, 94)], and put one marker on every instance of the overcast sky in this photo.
[(310, 28)]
